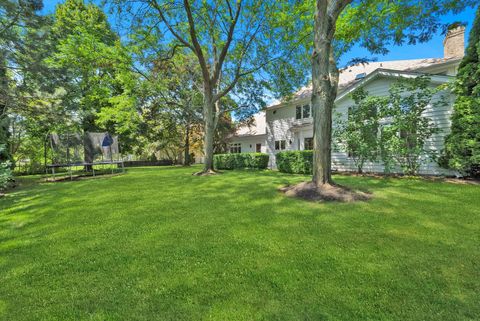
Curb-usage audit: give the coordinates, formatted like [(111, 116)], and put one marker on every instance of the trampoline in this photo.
[(75, 155)]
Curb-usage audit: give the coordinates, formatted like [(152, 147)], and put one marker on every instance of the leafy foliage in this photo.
[(405, 129), (241, 160), (95, 67), (393, 128), (358, 132), (21, 54), (338, 25), (230, 40), (462, 145), (5, 172), (296, 162)]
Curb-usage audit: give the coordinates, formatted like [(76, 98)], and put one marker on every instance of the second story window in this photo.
[(306, 111), (298, 112), (302, 112)]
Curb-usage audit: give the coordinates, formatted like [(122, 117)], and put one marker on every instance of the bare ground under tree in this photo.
[(311, 192)]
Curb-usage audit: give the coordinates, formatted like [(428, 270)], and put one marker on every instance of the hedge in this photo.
[(240, 160), (296, 162)]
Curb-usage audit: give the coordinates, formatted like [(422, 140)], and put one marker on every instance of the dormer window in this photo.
[(302, 112), (360, 76)]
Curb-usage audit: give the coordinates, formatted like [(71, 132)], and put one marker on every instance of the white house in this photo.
[(288, 125)]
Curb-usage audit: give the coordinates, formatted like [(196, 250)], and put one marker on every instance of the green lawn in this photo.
[(161, 244)]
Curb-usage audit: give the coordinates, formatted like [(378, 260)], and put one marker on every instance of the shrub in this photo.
[(5, 172), (296, 162), (462, 145), (240, 160)]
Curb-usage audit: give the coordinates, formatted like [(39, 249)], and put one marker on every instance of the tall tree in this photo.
[(398, 21), (20, 39), (91, 62), (462, 145), (174, 88), (229, 39), (373, 24)]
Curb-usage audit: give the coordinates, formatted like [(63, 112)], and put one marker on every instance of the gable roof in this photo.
[(348, 82), (391, 73), (348, 75), (256, 127)]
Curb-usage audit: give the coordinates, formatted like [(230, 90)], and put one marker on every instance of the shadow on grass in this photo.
[(161, 242)]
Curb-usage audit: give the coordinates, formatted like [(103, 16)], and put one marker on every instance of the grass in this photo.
[(161, 244)]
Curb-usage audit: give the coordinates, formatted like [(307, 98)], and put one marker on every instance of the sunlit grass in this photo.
[(161, 244)]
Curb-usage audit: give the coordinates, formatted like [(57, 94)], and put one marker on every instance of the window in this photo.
[(258, 148), (409, 138), (298, 112), (236, 148), (306, 111), (308, 143), (302, 112), (280, 144)]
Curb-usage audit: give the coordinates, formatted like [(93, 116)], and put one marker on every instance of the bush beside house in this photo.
[(295, 162), (462, 145), (240, 160)]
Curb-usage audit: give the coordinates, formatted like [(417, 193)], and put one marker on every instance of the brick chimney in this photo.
[(454, 43)]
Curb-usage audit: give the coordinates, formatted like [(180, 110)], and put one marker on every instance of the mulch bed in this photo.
[(328, 193)]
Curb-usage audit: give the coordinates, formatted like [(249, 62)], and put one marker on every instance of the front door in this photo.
[(258, 148)]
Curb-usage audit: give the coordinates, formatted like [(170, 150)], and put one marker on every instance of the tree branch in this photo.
[(223, 53), (157, 7), (196, 45)]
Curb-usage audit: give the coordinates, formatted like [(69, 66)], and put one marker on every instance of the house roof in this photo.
[(391, 73), (254, 128), (348, 75), (348, 82)]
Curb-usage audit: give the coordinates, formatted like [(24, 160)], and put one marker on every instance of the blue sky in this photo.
[(431, 49)]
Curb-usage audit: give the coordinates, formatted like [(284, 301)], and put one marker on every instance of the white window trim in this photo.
[(301, 111)]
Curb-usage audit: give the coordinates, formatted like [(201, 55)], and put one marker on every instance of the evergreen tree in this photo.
[(20, 39), (462, 145)]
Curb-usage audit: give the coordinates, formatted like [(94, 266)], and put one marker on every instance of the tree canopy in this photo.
[(462, 145)]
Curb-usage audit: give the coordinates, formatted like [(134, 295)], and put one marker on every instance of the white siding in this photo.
[(248, 143), (279, 124), (282, 125), (440, 116)]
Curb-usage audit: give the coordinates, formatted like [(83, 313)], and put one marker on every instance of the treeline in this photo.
[(169, 75), (71, 72)]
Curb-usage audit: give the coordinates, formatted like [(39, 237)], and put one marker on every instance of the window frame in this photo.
[(302, 110), (305, 139), (309, 109), (235, 148), (298, 112), (281, 144)]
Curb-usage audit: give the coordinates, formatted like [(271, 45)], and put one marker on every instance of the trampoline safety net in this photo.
[(84, 148)]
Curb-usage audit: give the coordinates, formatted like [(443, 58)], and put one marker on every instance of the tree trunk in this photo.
[(325, 78), (209, 119), (321, 96), (4, 120), (88, 149), (186, 161), (45, 142)]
